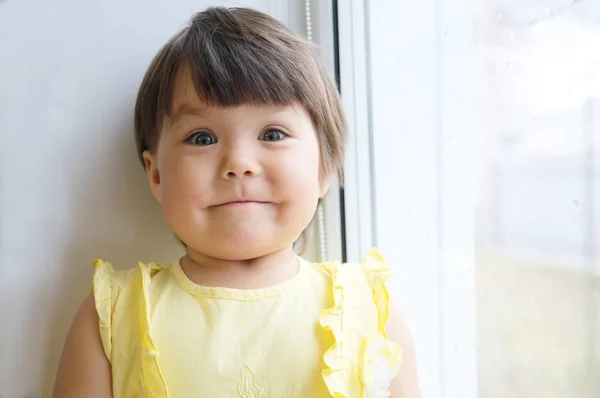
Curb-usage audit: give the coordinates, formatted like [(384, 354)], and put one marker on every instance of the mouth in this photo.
[(242, 203)]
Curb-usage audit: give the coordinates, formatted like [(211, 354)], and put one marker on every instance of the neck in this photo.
[(255, 273)]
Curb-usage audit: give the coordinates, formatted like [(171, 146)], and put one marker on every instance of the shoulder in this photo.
[(361, 285), (108, 284), (359, 322), (367, 281), (106, 279), (362, 274), (393, 340), (116, 294), (104, 271)]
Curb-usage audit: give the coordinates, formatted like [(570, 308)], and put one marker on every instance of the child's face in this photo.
[(209, 160)]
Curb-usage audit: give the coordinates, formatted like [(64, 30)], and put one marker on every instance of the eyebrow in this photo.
[(186, 109)]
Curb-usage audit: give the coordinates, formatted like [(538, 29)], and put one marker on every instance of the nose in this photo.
[(239, 163)]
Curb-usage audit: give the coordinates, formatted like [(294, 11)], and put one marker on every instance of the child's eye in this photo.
[(272, 135), (202, 138)]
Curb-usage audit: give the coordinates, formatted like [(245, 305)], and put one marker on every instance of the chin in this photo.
[(243, 251), (239, 242), (249, 244)]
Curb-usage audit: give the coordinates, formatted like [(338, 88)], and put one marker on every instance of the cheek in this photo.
[(183, 182), (298, 173)]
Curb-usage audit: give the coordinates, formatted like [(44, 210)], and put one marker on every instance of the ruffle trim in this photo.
[(102, 285), (331, 318), (377, 272), (154, 381), (381, 357), (381, 363)]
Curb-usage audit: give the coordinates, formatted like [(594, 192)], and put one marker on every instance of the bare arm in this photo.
[(406, 383), (84, 370)]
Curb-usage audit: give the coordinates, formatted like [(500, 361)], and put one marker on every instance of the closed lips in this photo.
[(242, 202)]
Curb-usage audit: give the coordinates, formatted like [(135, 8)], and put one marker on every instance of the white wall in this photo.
[(71, 189)]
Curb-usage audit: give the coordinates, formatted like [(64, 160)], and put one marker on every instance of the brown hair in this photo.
[(242, 56)]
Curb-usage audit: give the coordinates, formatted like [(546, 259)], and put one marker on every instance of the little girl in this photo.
[(240, 133)]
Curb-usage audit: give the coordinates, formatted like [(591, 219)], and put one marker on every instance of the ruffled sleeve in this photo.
[(122, 300), (381, 357), (102, 288), (361, 362), (331, 318), (378, 272)]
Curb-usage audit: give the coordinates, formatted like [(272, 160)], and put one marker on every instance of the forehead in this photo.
[(184, 92), (187, 101)]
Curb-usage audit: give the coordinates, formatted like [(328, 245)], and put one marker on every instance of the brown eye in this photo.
[(272, 135), (202, 139)]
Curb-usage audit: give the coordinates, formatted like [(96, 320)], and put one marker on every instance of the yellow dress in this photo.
[(320, 334)]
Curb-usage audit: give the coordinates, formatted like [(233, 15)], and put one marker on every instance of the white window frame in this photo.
[(324, 36), (445, 334)]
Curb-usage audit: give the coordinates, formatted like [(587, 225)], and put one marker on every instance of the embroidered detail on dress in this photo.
[(247, 387)]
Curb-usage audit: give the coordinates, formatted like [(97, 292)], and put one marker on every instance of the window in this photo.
[(537, 198), (474, 166)]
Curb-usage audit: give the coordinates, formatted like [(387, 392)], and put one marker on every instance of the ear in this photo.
[(324, 186), (151, 166)]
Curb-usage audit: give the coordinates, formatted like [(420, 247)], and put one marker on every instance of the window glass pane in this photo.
[(538, 198)]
